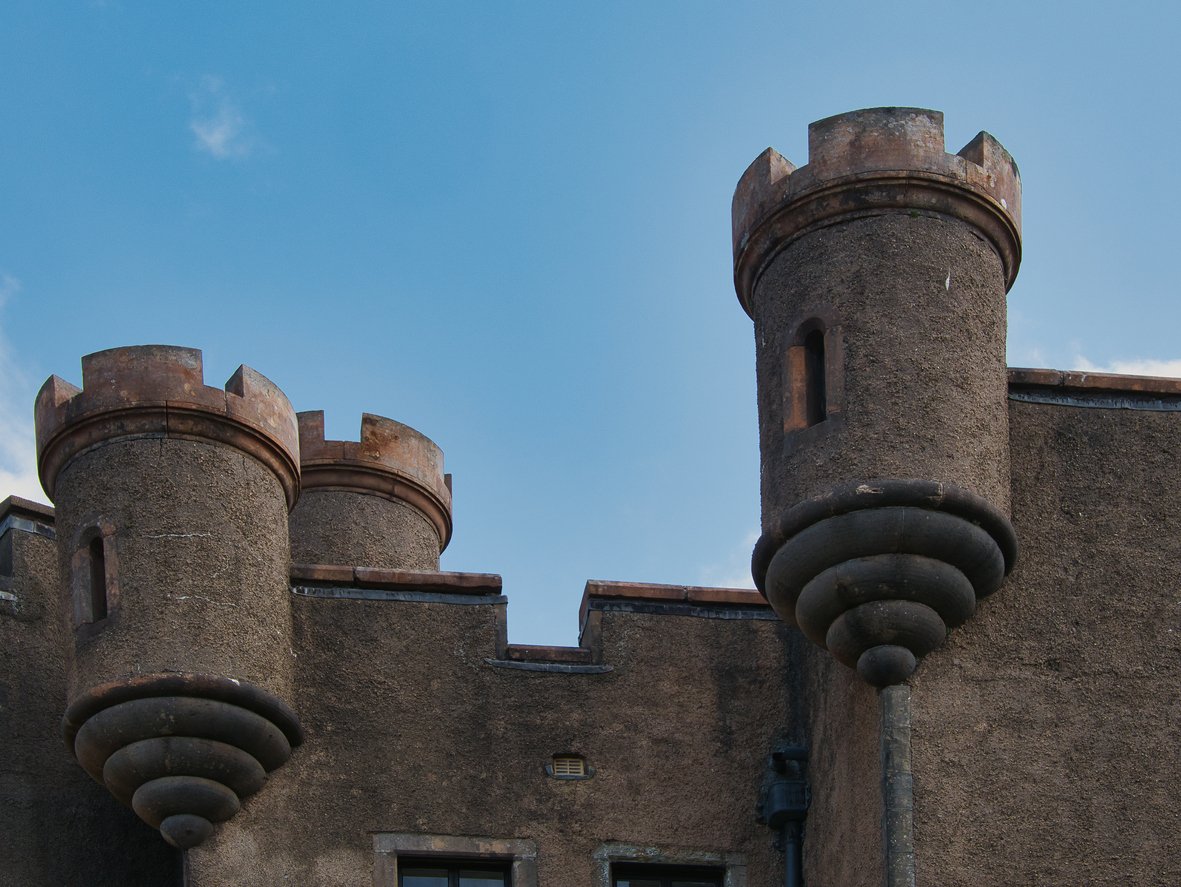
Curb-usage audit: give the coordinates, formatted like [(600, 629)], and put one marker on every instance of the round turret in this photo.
[(876, 278), (171, 501), (382, 501)]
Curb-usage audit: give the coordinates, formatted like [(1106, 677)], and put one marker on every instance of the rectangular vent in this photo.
[(569, 765)]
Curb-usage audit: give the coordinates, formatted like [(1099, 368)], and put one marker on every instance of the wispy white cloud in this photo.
[(734, 571), (18, 452), (9, 287), (219, 126), (1135, 366)]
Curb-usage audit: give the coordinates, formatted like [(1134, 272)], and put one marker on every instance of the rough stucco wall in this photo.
[(1045, 730), (203, 559), (337, 527), (924, 360), (917, 306), (60, 827), (409, 730), (842, 845)]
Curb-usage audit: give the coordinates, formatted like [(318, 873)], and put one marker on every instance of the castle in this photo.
[(961, 666)]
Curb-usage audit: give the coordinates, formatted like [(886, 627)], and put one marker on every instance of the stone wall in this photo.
[(1045, 730), (421, 720)]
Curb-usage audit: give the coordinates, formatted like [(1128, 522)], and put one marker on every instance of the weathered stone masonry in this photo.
[(967, 672)]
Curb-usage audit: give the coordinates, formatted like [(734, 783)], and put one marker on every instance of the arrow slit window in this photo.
[(813, 376)]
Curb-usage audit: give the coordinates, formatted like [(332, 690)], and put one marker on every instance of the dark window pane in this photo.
[(637, 875), (480, 879), (816, 396), (98, 581), (420, 877), (447, 873)]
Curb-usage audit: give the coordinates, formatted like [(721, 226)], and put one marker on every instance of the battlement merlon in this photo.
[(867, 162), (148, 391), (390, 459)]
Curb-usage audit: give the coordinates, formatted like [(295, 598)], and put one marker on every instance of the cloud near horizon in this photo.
[(1136, 366), (18, 451), (219, 126)]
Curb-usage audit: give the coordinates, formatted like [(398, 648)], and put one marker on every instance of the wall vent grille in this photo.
[(569, 766)]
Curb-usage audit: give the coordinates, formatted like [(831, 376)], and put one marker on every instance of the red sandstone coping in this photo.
[(399, 580), (391, 460), (27, 508), (543, 653), (159, 391), (745, 597), (491, 584), (1083, 381), (867, 162), (669, 594)]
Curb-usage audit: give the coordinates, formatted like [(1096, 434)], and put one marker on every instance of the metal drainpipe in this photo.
[(792, 858), (783, 804), (897, 787)]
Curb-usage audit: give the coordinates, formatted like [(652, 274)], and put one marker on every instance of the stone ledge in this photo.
[(543, 653), (1022, 377), (646, 591), (27, 508), (399, 580), (643, 592), (28, 517)]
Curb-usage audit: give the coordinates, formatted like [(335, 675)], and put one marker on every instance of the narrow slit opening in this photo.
[(815, 394), (98, 580)]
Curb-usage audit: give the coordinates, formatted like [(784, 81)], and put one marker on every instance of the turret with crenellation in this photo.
[(876, 277), (380, 501), (171, 502)]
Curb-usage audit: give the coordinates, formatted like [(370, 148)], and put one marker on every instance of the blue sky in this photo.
[(507, 225)]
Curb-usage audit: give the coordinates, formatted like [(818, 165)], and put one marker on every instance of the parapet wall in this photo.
[(866, 162), (412, 699), (1079, 388), (159, 391)]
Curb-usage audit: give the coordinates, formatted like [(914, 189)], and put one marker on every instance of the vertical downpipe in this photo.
[(793, 863), (897, 787)]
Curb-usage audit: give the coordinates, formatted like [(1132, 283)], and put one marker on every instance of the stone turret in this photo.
[(172, 500), (876, 278), (382, 501)]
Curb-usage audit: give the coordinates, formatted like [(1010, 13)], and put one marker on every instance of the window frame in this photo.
[(93, 579), (455, 866), (665, 873), (812, 380), (518, 857), (609, 857)]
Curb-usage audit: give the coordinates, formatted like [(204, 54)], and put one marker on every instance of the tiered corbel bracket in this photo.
[(879, 572), (181, 750)]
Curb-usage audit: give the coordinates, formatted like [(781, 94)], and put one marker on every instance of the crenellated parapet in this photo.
[(868, 162), (159, 391), (382, 500), (390, 460)]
